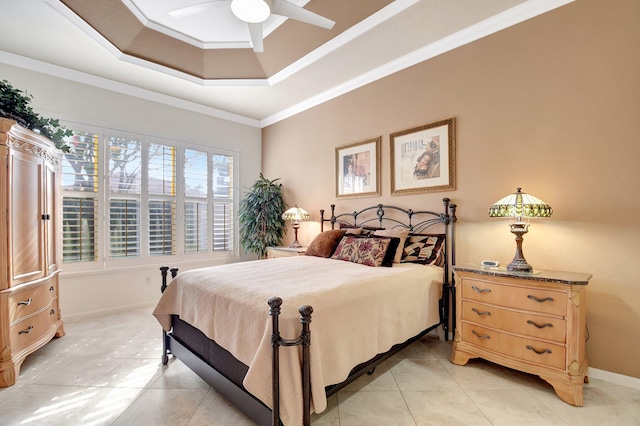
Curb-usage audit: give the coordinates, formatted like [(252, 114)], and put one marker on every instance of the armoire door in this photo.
[(25, 218), (50, 219)]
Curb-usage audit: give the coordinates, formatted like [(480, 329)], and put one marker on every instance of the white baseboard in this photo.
[(618, 379)]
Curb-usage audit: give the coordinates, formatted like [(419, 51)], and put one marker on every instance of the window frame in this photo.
[(103, 196)]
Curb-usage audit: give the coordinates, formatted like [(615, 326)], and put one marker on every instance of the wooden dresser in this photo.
[(273, 252), (30, 206), (529, 321)]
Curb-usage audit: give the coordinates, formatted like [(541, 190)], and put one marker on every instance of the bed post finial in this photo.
[(333, 216), (163, 272)]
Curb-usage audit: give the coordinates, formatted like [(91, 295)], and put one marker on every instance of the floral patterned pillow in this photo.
[(424, 248), (366, 251)]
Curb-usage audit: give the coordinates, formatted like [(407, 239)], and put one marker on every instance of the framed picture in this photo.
[(423, 158), (358, 169)]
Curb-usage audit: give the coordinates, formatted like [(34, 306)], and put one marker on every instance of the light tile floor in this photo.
[(106, 371)]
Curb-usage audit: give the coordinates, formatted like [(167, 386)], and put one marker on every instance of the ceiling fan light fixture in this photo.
[(252, 11)]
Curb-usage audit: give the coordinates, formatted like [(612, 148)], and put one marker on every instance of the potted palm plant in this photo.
[(260, 216), (15, 104)]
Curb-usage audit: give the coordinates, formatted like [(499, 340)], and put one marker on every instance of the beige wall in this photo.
[(551, 105)]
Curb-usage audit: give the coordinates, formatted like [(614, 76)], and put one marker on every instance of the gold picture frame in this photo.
[(358, 169), (423, 158)]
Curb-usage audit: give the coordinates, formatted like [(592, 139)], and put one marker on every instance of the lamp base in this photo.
[(295, 243), (519, 265)]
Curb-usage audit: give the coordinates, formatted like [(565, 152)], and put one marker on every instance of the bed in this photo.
[(262, 352)]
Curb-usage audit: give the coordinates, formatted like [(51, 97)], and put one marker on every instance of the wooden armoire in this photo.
[(30, 218)]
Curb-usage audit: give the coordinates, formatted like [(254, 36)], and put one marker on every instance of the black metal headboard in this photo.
[(389, 217)]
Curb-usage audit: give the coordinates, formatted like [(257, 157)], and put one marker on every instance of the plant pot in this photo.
[(21, 121)]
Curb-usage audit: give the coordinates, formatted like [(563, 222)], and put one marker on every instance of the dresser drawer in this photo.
[(539, 352), (32, 328), (523, 298), (528, 324), (25, 302)]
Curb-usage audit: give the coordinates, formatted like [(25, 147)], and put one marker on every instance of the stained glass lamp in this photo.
[(518, 206), (295, 215)]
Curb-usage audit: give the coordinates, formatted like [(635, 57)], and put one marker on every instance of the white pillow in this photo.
[(401, 233)]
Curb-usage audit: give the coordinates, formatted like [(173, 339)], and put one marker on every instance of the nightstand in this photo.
[(529, 321), (273, 252)]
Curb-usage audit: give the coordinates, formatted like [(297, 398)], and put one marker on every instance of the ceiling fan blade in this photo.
[(196, 8), (255, 31), (290, 10)]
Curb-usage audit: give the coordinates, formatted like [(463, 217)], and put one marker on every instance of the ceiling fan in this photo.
[(255, 12)]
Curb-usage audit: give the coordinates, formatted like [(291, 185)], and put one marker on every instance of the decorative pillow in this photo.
[(358, 230), (424, 248), (401, 233), (325, 243), (354, 231), (366, 251)]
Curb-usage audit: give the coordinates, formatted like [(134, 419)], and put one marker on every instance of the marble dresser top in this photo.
[(569, 278)]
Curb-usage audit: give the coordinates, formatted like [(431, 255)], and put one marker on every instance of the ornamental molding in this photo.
[(29, 148)]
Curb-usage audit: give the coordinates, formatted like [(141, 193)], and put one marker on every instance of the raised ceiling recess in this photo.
[(206, 40)]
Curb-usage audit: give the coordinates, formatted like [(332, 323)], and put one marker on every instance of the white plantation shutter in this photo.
[(196, 219), (162, 227), (222, 227), (79, 198), (125, 188), (124, 228), (223, 218), (162, 199)]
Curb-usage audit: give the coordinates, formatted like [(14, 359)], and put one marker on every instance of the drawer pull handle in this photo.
[(53, 311), (52, 288), (546, 299), (480, 336), (26, 331), (539, 325), (544, 351), (481, 290), (483, 313), (25, 303)]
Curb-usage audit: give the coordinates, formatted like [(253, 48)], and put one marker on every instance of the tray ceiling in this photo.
[(205, 62)]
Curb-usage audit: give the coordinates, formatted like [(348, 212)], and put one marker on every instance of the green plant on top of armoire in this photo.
[(261, 223), (15, 104)]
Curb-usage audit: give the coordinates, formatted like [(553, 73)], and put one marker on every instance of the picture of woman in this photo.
[(428, 163)]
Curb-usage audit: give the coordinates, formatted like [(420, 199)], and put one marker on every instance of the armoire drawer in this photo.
[(525, 323), (31, 329), (524, 298), (539, 352), (25, 302)]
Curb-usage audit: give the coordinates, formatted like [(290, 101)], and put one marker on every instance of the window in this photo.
[(222, 202), (196, 220), (79, 204), (125, 189), (162, 203), (160, 199)]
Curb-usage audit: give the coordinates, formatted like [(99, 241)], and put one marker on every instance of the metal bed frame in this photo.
[(254, 408)]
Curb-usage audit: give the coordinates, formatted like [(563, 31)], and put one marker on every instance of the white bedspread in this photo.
[(358, 312)]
